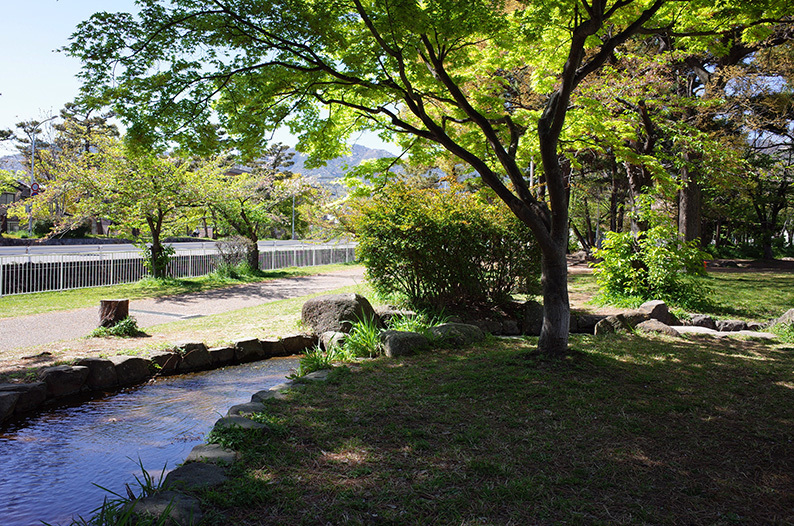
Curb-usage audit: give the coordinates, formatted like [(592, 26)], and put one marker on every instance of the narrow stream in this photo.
[(51, 463)]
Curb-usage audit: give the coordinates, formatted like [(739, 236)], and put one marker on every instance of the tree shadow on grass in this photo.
[(626, 430)]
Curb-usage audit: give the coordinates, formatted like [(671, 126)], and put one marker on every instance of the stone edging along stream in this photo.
[(59, 383)]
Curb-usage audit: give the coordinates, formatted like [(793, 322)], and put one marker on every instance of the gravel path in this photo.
[(51, 327)]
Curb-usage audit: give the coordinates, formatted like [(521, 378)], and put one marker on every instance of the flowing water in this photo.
[(52, 463)]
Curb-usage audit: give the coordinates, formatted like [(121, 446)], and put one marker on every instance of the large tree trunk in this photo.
[(252, 256), (556, 308), (689, 207)]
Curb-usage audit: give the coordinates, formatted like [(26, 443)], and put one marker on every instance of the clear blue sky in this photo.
[(36, 80)]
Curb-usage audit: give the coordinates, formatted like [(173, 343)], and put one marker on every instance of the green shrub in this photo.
[(126, 328), (443, 247), (654, 265)]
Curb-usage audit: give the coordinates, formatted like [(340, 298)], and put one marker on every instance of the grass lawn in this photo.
[(625, 431), (750, 296), (25, 304)]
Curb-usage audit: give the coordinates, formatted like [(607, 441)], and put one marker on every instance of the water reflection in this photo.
[(52, 463)]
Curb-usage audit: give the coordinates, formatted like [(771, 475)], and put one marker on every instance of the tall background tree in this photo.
[(491, 82)]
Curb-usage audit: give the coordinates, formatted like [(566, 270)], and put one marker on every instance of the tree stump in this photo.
[(113, 311)]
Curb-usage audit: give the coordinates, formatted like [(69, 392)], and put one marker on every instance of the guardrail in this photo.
[(25, 274)]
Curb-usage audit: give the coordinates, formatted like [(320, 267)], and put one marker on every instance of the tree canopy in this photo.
[(489, 81)]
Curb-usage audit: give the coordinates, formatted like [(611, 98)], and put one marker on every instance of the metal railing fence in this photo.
[(25, 274)]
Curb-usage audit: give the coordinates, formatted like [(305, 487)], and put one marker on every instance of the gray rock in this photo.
[(261, 396), (634, 317), (731, 325), (612, 325), (273, 347), (248, 350), (510, 328), (656, 326), (336, 312), (245, 409), (166, 362), (196, 359), (101, 373), (331, 339), (221, 355), (702, 320), (298, 344), (403, 343), (787, 317), (755, 326), (584, 323), (228, 422), (658, 310), (212, 454), (132, 370), (387, 314), (194, 476), (8, 402), (456, 334), (63, 380), (31, 395), (488, 326), (184, 347), (181, 509), (316, 376), (532, 322)]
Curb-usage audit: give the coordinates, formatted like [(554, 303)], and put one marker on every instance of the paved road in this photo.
[(50, 327)]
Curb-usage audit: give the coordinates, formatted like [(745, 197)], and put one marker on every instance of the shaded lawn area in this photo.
[(627, 430), (750, 296)]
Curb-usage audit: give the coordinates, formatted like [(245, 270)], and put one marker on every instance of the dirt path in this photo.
[(19, 335)]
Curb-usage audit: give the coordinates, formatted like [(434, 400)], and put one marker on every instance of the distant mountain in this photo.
[(12, 163), (335, 168), (325, 175)]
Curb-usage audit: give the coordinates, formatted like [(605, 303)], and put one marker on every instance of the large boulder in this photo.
[(178, 508), (101, 373), (248, 350), (221, 355), (8, 401), (612, 325), (387, 314), (403, 343), (337, 312), (195, 475), (166, 362), (31, 395), (634, 317), (655, 326), (703, 320), (64, 380), (195, 357), (297, 344), (787, 317), (132, 370), (331, 340), (584, 323), (658, 310), (456, 334), (731, 325)]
